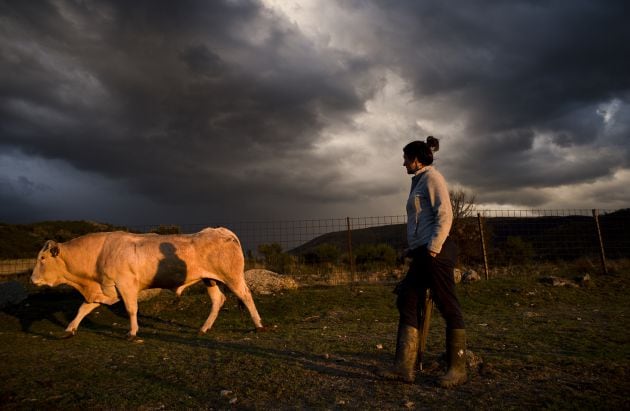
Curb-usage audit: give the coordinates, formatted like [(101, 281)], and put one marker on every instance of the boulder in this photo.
[(262, 281), (473, 361), (470, 276), (579, 281), (457, 275), (146, 295), (557, 281), (584, 280)]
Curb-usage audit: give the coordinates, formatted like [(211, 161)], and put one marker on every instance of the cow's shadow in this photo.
[(44, 306), (60, 306), (57, 307)]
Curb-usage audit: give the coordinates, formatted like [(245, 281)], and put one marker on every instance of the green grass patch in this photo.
[(542, 346)]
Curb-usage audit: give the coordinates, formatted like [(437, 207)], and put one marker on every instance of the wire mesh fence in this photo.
[(350, 249), (525, 236), (486, 238), (288, 234)]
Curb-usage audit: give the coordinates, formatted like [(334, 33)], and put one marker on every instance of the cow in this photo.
[(105, 267)]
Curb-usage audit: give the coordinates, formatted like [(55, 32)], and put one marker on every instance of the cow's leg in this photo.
[(218, 298), (241, 290), (84, 310), (130, 298)]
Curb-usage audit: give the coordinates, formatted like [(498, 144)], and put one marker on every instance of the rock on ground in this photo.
[(146, 295), (457, 275), (473, 361), (262, 281), (470, 276), (465, 276), (584, 281)]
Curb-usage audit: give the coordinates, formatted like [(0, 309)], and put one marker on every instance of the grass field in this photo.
[(542, 347)]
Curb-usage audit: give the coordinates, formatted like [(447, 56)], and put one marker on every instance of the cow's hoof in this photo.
[(134, 339), (262, 329), (201, 333), (68, 334)]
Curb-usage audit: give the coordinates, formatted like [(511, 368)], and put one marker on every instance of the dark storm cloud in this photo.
[(518, 62), (515, 70), (177, 99), (224, 106)]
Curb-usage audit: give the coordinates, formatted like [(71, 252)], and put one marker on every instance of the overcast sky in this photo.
[(141, 112)]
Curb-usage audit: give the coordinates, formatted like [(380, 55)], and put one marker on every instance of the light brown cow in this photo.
[(106, 266)]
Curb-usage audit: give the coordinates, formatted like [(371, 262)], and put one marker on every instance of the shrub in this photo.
[(517, 251), (323, 253), (372, 255), (275, 260), (166, 229)]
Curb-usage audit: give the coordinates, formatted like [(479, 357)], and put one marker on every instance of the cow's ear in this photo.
[(53, 247)]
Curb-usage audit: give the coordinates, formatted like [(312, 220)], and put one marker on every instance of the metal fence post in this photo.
[(483, 245), (602, 255), (350, 258)]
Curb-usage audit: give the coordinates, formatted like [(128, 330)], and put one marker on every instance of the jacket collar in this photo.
[(416, 178), (422, 171)]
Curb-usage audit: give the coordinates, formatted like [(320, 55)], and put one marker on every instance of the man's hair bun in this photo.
[(433, 143)]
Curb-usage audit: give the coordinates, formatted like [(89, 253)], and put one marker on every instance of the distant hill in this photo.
[(551, 237), (25, 240), (394, 235)]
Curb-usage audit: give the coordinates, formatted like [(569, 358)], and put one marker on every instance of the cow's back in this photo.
[(169, 261), (219, 250)]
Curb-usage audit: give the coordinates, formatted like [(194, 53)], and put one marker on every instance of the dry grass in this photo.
[(542, 346)]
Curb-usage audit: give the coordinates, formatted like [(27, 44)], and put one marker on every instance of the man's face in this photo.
[(411, 165)]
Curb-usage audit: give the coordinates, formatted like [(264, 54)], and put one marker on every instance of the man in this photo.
[(433, 256)]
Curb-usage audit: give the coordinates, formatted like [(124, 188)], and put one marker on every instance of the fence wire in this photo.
[(355, 247)]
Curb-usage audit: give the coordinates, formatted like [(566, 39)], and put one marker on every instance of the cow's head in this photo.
[(50, 267)]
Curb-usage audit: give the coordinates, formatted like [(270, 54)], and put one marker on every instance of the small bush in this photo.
[(371, 255), (517, 251), (323, 253), (274, 259), (166, 229)]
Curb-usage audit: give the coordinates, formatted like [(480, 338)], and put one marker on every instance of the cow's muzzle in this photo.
[(38, 281)]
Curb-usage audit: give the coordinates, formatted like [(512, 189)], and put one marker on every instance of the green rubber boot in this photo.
[(455, 358), (406, 355)]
